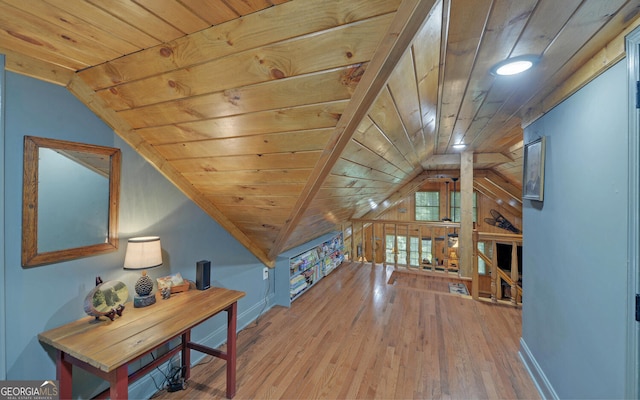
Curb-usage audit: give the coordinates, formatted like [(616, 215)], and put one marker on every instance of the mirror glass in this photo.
[(70, 200)]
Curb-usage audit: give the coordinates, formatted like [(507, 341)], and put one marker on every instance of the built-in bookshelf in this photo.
[(304, 272), (305, 268), (308, 267)]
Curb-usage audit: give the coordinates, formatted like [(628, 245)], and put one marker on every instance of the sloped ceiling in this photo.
[(282, 119)]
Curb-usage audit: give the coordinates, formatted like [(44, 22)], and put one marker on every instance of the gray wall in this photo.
[(44, 297), (574, 257), (3, 355)]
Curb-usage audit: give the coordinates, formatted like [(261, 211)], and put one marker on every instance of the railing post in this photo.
[(364, 244), (362, 247), (475, 282), (407, 246), (494, 272), (373, 244), (347, 247), (433, 250), (445, 258), (384, 245), (395, 246), (408, 241), (354, 243), (420, 267), (514, 274)]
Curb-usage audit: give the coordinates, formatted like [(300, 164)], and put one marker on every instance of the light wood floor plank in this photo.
[(358, 334)]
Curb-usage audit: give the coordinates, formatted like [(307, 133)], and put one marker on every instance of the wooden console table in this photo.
[(105, 348)]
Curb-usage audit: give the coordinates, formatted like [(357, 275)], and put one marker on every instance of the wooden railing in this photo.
[(366, 241), (512, 277)]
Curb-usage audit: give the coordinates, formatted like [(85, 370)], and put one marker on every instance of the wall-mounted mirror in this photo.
[(70, 200)]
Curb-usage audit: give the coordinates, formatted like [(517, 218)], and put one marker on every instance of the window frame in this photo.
[(428, 207), (452, 202)]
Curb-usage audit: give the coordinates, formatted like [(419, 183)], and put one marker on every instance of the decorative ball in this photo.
[(144, 286)]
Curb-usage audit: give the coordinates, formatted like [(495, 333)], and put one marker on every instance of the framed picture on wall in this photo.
[(533, 170)]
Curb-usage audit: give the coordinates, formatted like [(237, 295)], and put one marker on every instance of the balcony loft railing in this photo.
[(485, 245), (432, 247), (424, 246)]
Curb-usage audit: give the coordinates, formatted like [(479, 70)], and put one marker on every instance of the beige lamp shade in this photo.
[(143, 252)]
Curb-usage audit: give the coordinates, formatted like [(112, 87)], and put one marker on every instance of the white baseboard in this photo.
[(537, 375)]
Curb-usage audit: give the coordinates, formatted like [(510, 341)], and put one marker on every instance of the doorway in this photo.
[(633, 328)]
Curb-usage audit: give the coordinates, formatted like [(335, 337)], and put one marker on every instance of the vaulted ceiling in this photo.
[(282, 119)]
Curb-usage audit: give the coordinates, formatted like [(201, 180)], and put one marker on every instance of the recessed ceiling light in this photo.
[(515, 65), (459, 146)]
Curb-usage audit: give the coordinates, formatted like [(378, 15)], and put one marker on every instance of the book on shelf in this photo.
[(303, 261), (295, 291), (310, 266), (298, 278)]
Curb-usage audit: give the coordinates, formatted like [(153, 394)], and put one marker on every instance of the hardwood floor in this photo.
[(356, 336)]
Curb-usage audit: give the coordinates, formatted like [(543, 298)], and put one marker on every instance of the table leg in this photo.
[(232, 317), (186, 355), (64, 375), (119, 383)]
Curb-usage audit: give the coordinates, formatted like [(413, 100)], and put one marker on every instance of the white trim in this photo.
[(633, 66), (3, 288), (537, 375)]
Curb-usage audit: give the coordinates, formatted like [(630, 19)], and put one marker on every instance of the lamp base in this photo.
[(143, 301)]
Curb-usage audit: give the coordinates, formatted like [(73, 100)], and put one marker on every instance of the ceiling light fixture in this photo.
[(459, 146), (515, 65)]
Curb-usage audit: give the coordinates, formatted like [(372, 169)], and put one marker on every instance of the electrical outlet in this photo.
[(265, 273)]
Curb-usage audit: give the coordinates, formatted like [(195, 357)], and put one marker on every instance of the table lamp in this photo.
[(453, 255), (143, 253)]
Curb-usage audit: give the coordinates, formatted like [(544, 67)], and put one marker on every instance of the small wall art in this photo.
[(533, 170)]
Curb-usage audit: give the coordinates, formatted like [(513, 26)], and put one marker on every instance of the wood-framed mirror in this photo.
[(70, 200)]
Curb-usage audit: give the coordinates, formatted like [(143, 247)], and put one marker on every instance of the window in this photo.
[(427, 206), (413, 251), (482, 267), (455, 207), (427, 256), (390, 247), (414, 254), (392, 251), (402, 249)]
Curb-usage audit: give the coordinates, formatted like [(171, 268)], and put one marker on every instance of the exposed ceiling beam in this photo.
[(493, 192), (408, 19), (449, 160), (511, 192)]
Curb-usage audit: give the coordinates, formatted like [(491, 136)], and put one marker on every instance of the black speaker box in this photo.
[(203, 275)]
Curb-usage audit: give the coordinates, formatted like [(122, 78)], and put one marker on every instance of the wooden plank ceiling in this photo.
[(284, 118)]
